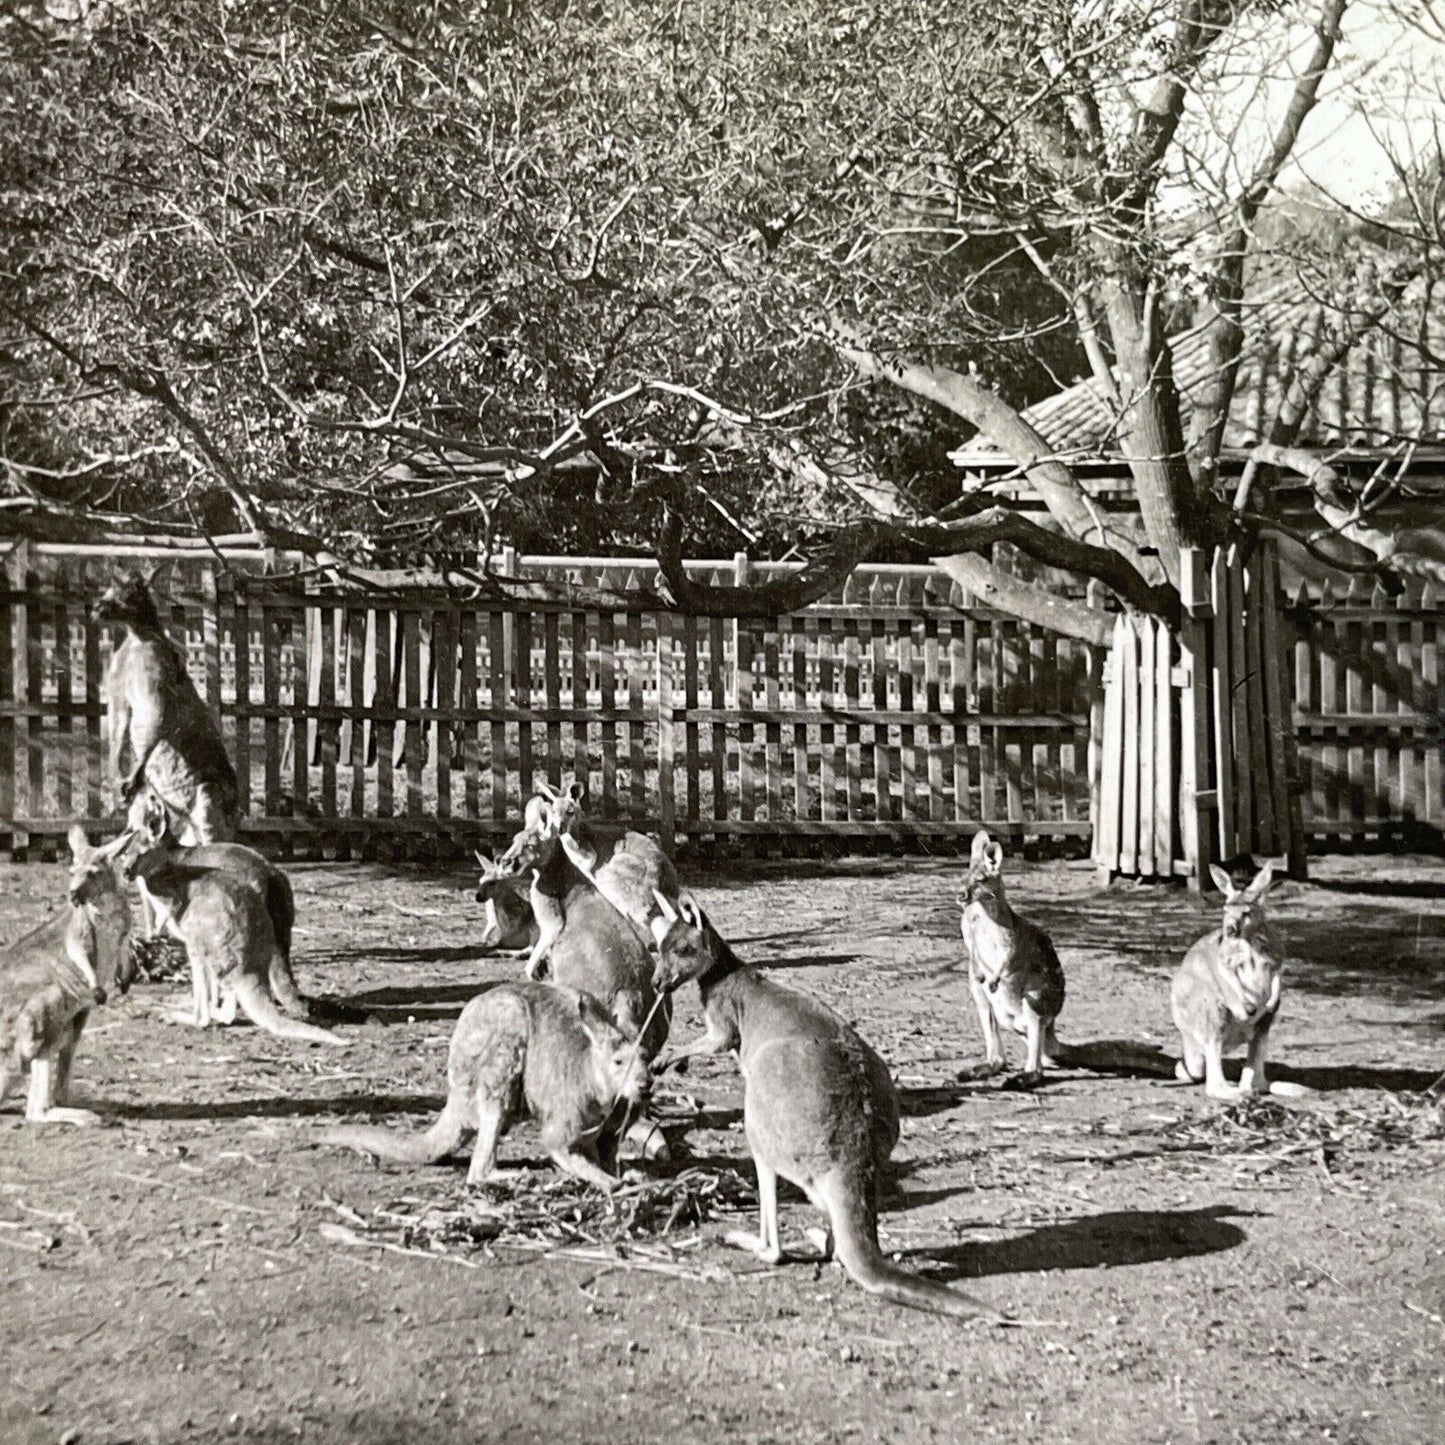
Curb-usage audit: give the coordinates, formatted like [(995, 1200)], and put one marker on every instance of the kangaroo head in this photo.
[(94, 884), (984, 879), (549, 814), (509, 909), (687, 944), (129, 600), (618, 1067), (1243, 907), (149, 840)]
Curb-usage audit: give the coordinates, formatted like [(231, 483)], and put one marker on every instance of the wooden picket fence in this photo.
[(419, 722), (896, 710)]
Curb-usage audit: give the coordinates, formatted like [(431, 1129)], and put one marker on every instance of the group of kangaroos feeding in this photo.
[(574, 1044)]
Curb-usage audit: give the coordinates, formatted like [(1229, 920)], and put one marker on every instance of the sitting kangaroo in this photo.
[(224, 921), (819, 1106), (1014, 973), (526, 1050), (158, 718), (557, 844), (1226, 992), (52, 977)]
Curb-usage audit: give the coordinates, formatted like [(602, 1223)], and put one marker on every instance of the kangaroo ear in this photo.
[(79, 844), (1222, 880), (980, 844), (1259, 884), (576, 791), (690, 909), (664, 904), (546, 790), (482, 858), (993, 857)]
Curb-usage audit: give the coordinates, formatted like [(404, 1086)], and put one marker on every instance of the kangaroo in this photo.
[(1227, 991), (599, 953), (159, 720), (224, 922), (526, 1050), (819, 1106), (1014, 973), (52, 977), (558, 843)]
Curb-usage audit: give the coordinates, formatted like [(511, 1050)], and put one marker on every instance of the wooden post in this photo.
[(1197, 800)]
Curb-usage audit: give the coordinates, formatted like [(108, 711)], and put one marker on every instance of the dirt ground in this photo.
[(1192, 1274)]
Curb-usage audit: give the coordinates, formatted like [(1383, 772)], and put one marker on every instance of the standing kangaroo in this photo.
[(51, 979), (231, 943), (158, 719), (1227, 991), (1014, 973), (558, 845), (819, 1106)]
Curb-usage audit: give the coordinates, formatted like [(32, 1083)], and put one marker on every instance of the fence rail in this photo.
[(898, 708)]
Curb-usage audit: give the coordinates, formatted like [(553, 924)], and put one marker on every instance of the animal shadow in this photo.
[(1120, 1237), (421, 1001), (270, 1107)]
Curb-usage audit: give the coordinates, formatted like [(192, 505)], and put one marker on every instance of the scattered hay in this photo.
[(551, 1214), (1338, 1138)]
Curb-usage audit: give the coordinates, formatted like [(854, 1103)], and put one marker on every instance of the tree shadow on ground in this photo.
[(1120, 1237), (434, 953)]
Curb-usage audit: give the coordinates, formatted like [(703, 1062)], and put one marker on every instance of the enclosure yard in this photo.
[(205, 1271)]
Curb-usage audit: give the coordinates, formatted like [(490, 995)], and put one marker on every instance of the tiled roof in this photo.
[(1386, 390)]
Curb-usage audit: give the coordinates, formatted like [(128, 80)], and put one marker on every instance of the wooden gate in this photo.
[(1199, 761)]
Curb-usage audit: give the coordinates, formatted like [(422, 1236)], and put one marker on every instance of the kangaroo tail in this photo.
[(281, 905), (855, 1241), (258, 1006), (1121, 1055), (443, 1138)]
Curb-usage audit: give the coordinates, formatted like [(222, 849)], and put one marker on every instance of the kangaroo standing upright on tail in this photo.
[(1227, 991), (1014, 973), (819, 1106), (558, 845), (51, 979), (158, 721)]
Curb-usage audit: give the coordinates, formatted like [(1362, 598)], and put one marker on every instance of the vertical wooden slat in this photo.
[(1012, 658), (497, 638), (1355, 640), (1221, 707), (1147, 744), (853, 734), (718, 701), (383, 711), (636, 705), (907, 734), (554, 764), (521, 701), (1327, 638), (271, 698), (581, 755), (1255, 718), (1197, 822), (692, 752), (94, 690), (773, 735), (1432, 707), (960, 732), (882, 779), (243, 699), (1165, 779), (468, 685), (300, 714), (933, 703), (798, 635), (356, 655), (747, 731), (67, 757), (607, 676), (1107, 830), (830, 756), (1238, 702), (1283, 749), (9, 693), (33, 674), (666, 739), (328, 727), (1129, 772), (444, 664)]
